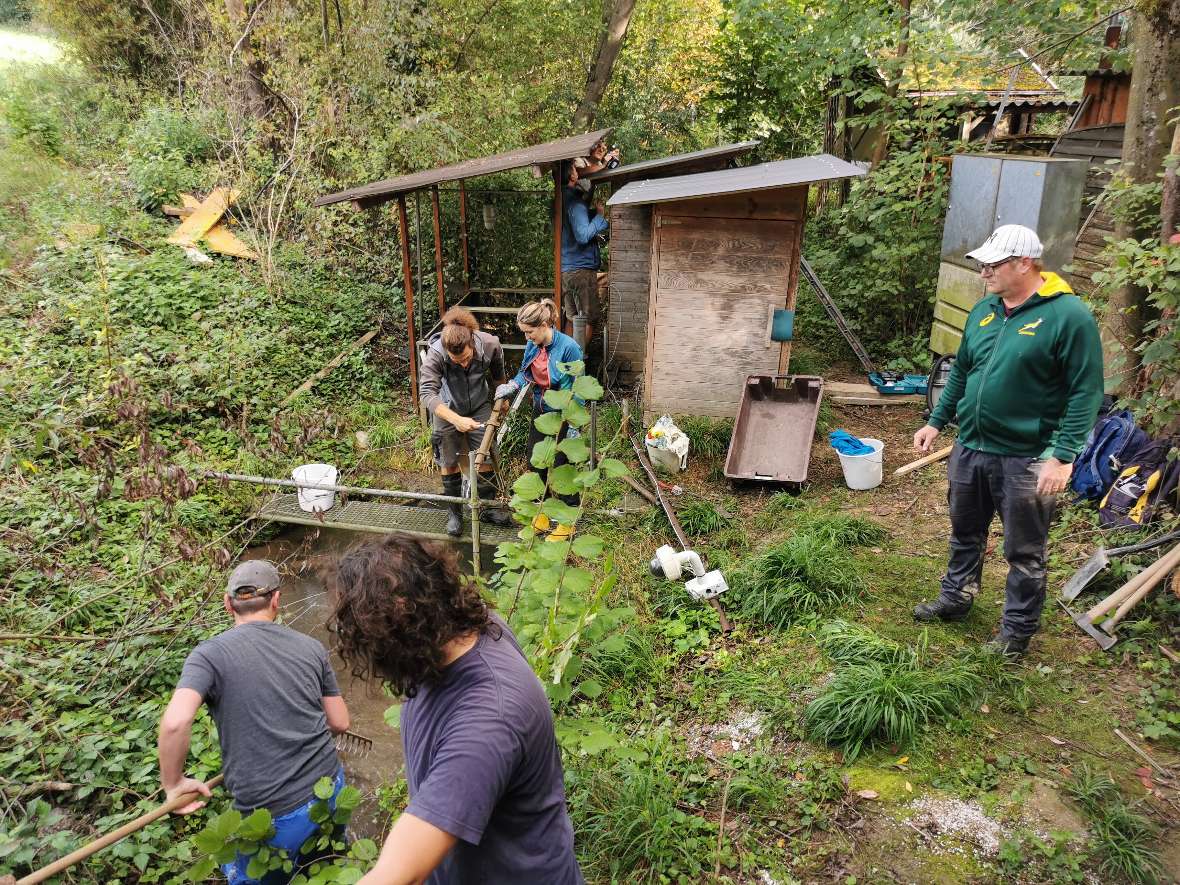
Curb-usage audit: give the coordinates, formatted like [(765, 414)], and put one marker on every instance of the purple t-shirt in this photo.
[(482, 764)]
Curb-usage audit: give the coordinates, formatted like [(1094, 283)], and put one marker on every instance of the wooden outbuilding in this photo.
[(699, 266)]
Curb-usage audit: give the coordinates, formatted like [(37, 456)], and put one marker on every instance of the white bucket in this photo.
[(863, 471), (313, 500), (664, 459)]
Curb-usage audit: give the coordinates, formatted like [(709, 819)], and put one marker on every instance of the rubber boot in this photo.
[(452, 484), (487, 492)]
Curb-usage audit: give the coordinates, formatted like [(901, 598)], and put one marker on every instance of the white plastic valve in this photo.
[(707, 585)]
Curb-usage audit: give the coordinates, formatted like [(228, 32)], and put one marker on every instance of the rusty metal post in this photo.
[(438, 260), (593, 433), (558, 185), (463, 237), (404, 235), (474, 493)]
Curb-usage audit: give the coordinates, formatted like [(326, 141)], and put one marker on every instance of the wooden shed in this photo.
[(700, 263)]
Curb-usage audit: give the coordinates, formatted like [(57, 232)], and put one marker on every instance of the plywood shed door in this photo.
[(715, 285)]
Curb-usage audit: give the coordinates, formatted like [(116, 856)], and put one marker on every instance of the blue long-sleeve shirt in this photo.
[(579, 233)]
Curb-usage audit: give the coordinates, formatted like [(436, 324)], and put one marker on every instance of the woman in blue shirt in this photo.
[(545, 353)]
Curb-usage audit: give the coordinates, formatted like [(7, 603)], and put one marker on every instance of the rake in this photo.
[(354, 744)]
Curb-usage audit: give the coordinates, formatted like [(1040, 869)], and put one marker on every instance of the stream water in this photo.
[(305, 607)]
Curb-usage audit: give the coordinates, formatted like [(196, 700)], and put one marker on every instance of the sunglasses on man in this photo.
[(991, 268)]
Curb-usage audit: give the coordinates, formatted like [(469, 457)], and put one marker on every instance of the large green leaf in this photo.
[(549, 423), (557, 399), (561, 511), (324, 788), (529, 486), (544, 453), (575, 415), (613, 467), (575, 449), (578, 581), (257, 826), (587, 387), (564, 480), (588, 479), (587, 546), (577, 367)]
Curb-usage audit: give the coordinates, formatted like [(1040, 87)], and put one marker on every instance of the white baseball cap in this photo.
[(1009, 241)]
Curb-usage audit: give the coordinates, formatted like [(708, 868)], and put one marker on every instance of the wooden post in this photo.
[(784, 354), (557, 219), (403, 229), (438, 260), (463, 237), (473, 491)]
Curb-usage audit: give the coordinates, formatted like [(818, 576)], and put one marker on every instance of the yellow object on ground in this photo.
[(563, 532), (541, 522), (204, 217), (219, 238)]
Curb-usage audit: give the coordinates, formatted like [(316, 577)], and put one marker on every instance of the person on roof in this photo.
[(454, 387), (276, 703), (581, 227), (1026, 387)]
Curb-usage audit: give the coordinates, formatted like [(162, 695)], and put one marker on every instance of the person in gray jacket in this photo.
[(453, 385)]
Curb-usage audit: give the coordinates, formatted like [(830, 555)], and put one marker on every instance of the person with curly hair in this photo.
[(487, 794)]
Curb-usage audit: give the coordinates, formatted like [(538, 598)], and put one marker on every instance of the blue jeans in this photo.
[(291, 831)]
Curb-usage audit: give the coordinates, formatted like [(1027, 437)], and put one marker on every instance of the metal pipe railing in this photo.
[(324, 487)]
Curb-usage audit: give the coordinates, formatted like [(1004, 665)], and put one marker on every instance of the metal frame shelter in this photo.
[(549, 155)]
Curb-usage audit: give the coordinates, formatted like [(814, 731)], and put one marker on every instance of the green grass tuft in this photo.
[(853, 644), (699, 517), (803, 576), (880, 703), (1122, 838), (845, 531), (706, 436)]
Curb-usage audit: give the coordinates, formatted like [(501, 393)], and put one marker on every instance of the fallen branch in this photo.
[(922, 462), (332, 364)]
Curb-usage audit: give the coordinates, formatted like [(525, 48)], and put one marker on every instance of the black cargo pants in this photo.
[(982, 485)]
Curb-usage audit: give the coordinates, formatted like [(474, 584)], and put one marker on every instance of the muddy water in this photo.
[(305, 607)]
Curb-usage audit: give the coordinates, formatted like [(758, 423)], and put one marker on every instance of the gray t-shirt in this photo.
[(265, 685), (482, 764)]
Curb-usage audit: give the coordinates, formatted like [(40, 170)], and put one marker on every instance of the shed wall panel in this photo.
[(630, 284)]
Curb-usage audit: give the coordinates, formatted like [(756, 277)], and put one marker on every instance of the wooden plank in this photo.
[(727, 262), (329, 366), (712, 281), (738, 237), (203, 217)]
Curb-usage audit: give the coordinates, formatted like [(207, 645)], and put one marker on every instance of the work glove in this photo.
[(507, 389)]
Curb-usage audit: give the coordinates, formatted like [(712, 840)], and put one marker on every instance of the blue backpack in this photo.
[(1100, 461)]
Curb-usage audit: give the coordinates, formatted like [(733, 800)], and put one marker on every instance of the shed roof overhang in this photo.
[(670, 164), (541, 154), (780, 173)]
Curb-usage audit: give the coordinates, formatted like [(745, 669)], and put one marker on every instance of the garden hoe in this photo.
[(1101, 558), (1124, 599)]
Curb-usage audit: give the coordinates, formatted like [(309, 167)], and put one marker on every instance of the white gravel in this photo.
[(725, 737), (965, 820)]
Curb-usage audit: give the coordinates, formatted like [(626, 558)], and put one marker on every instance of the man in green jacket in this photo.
[(1025, 387)]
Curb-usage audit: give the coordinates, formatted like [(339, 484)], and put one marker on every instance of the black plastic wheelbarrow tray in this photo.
[(775, 425)]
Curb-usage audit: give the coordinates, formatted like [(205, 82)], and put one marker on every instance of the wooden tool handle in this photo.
[(922, 462), (498, 411), (1132, 586), (1159, 571), (114, 836)]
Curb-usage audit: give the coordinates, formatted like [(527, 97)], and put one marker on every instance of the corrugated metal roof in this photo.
[(630, 170), (780, 173), (549, 152)]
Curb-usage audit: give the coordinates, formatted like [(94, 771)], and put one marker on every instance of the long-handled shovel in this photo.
[(1125, 598), (1101, 558)]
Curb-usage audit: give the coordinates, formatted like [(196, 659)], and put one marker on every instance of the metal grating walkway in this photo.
[(382, 517)]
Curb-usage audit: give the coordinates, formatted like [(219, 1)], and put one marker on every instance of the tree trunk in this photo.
[(1170, 204), (259, 101), (616, 20), (903, 49), (1155, 88)]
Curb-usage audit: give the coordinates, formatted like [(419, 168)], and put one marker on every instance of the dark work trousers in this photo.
[(982, 485), (535, 436)]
